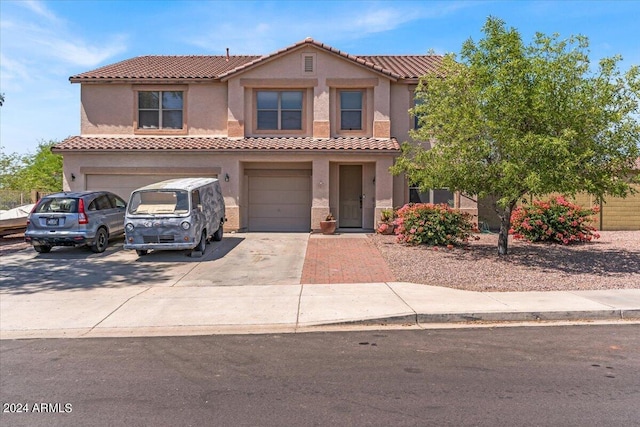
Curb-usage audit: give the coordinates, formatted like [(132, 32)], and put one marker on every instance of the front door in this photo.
[(350, 208)]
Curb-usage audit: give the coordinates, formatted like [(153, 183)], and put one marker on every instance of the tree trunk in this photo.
[(505, 225)]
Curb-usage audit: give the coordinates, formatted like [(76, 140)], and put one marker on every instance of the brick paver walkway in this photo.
[(339, 259)]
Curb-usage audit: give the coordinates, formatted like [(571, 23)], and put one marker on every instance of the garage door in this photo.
[(279, 203), (123, 185)]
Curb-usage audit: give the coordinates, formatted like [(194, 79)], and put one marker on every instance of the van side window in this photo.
[(195, 199)]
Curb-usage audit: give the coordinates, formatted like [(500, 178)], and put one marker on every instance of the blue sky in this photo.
[(42, 43)]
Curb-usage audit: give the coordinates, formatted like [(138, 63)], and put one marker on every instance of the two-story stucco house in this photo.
[(292, 135)]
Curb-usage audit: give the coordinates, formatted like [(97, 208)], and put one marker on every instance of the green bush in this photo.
[(426, 223), (555, 220)]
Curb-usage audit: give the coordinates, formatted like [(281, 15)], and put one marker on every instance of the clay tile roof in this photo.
[(166, 67), (220, 66), (407, 66), (186, 143)]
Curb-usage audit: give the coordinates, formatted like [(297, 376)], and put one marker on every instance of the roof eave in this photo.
[(137, 80)]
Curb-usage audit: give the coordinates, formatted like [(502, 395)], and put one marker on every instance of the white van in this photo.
[(177, 214)]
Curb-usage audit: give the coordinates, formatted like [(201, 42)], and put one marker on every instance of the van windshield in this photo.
[(159, 202)]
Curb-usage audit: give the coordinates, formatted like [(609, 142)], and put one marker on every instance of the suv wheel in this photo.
[(102, 239), (42, 249), (141, 252)]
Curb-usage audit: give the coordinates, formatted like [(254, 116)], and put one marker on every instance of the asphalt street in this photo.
[(542, 376)]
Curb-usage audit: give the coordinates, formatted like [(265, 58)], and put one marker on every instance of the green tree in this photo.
[(39, 171), (508, 120)]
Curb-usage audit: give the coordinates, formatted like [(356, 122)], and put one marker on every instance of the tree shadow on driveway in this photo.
[(77, 269)]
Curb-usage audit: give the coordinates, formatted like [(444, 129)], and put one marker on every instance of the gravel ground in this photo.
[(611, 262)]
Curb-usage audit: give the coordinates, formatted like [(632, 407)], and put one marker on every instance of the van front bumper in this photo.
[(160, 246)]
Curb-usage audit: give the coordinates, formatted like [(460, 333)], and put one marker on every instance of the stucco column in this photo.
[(231, 180), (384, 185), (235, 109), (321, 112), (382, 110), (319, 192)]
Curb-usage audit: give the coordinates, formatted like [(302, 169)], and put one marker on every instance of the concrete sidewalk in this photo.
[(154, 311), (70, 293)]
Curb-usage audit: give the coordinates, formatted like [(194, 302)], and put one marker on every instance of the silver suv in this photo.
[(75, 218)]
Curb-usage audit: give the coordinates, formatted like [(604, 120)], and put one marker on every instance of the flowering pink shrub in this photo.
[(556, 220), (383, 228), (426, 223)]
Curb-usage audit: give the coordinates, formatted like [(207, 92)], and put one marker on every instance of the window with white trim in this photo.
[(279, 110), (160, 110)]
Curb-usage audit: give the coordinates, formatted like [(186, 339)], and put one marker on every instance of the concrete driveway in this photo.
[(239, 259)]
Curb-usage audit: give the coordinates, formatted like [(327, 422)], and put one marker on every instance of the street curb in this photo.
[(516, 316)]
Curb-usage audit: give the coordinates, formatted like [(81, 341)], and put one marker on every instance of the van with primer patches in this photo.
[(177, 214)]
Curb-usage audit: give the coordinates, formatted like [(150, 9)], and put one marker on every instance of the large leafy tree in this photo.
[(508, 119), (39, 171)]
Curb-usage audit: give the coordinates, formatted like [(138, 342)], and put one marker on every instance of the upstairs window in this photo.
[(160, 110), (351, 110), (279, 110), (416, 118)]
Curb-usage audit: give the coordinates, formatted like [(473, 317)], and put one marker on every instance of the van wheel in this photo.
[(217, 236), (42, 249), (202, 245), (141, 252), (102, 239)]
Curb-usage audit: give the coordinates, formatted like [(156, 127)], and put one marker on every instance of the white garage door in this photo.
[(123, 185), (279, 203)]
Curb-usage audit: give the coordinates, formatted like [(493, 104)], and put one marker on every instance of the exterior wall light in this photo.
[(226, 177)]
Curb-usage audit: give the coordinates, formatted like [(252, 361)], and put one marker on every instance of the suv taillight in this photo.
[(82, 216), (33, 209)]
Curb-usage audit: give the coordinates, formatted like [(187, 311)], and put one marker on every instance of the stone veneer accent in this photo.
[(233, 218), (317, 215), (382, 129), (235, 129), (321, 129)]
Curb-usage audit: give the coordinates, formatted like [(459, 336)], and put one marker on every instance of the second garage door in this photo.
[(279, 203), (123, 185)]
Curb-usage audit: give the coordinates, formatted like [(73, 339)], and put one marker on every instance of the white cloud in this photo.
[(269, 29), (40, 9)]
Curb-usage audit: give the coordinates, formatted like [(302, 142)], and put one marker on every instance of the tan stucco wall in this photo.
[(330, 73), (106, 109), (401, 121), (324, 184), (109, 109)]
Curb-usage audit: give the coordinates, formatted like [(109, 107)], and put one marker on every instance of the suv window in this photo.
[(100, 203), (57, 204), (117, 201)]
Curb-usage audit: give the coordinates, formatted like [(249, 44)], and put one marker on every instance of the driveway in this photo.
[(239, 259)]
